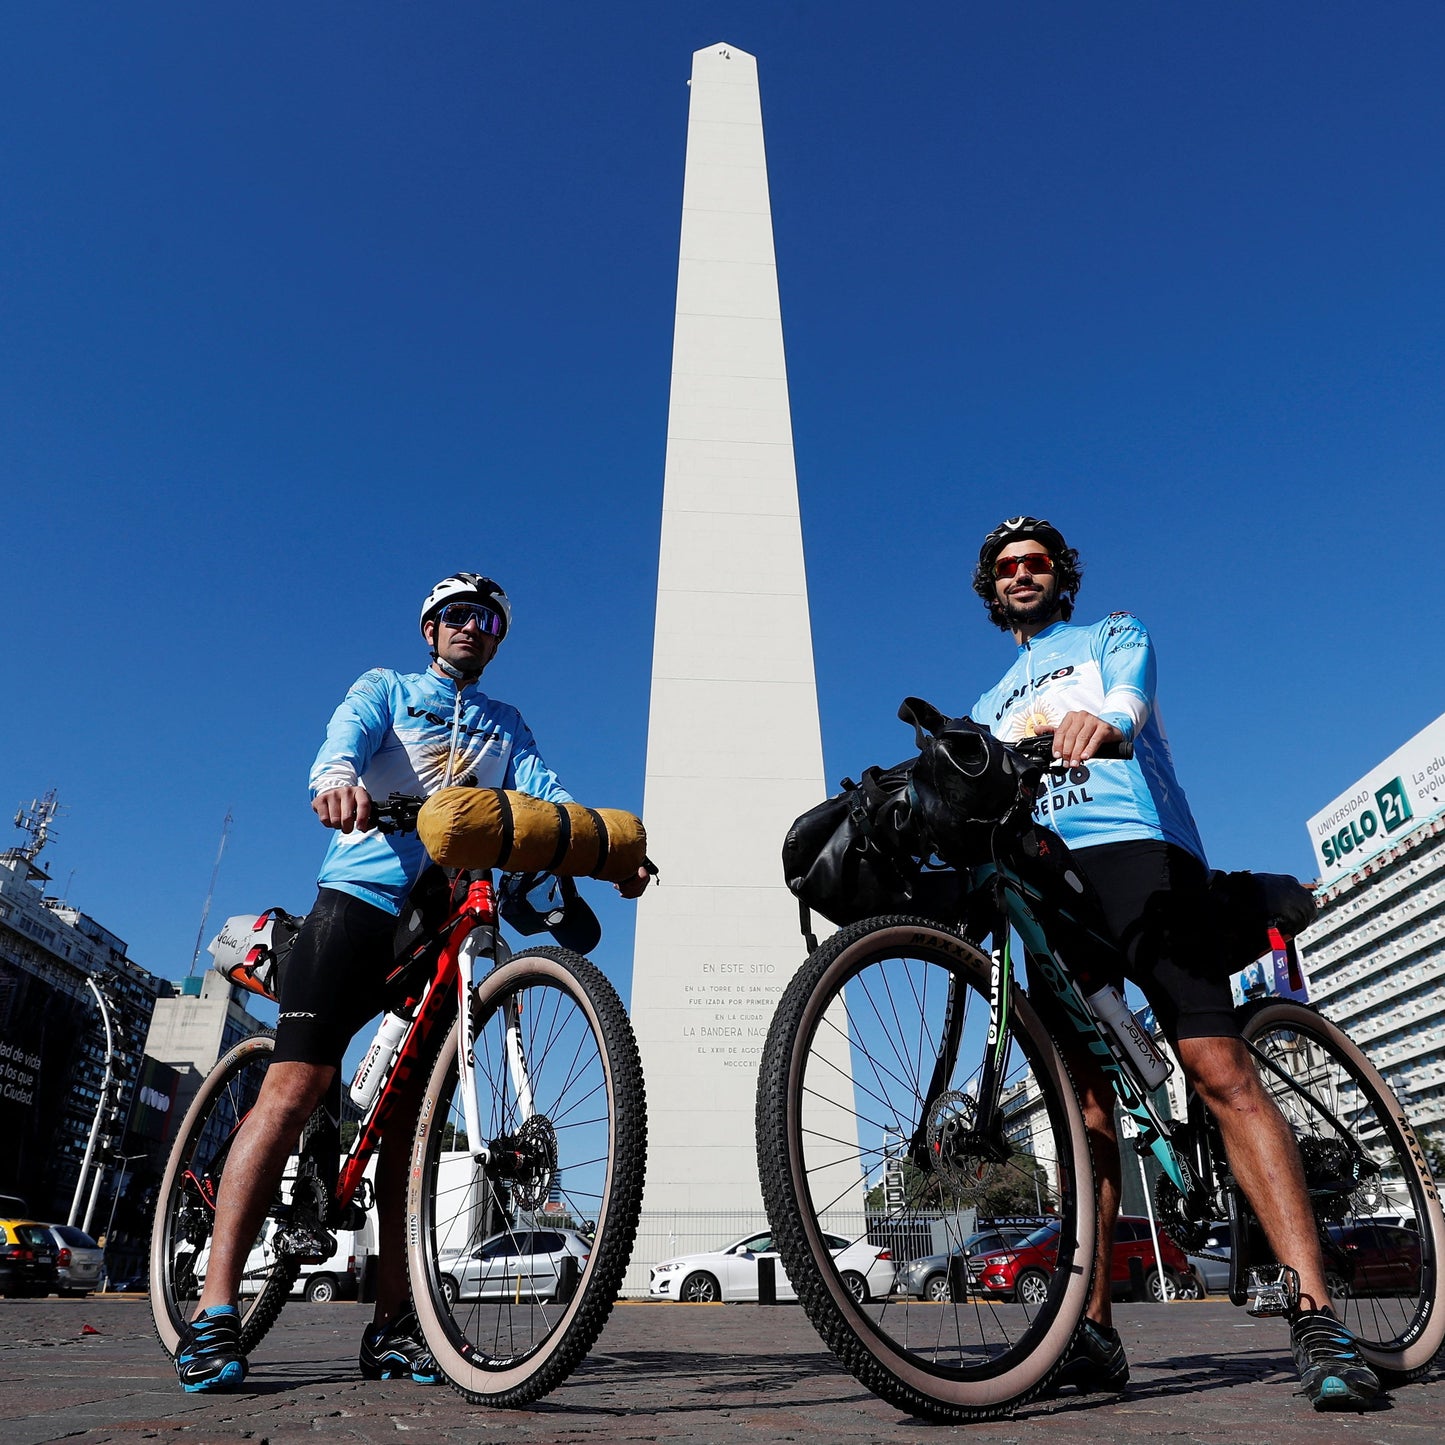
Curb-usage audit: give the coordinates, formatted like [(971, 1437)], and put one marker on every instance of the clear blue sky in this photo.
[(304, 306)]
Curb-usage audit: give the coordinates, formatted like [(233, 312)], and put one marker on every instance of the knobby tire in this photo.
[(583, 1066), (183, 1225), (1401, 1329), (865, 1008)]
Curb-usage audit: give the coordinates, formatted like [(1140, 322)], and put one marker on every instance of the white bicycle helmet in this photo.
[(467, 587)]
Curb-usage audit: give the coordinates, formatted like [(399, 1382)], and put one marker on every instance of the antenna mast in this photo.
[(210, 893), (36, 820)]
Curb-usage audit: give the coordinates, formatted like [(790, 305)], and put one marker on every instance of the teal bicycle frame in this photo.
[(1020, 900)]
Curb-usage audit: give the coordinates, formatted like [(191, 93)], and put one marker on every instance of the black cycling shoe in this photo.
[(396, 1352), (1095, 1363), (209, 1355), (1333, 1373)]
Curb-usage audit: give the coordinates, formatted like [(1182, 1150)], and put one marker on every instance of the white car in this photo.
[(521, 1264), (731, 1273)]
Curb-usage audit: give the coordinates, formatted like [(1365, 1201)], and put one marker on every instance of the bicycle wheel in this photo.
[(515, 1265), (867, 1101), (185, 1207), (1361, 1160)]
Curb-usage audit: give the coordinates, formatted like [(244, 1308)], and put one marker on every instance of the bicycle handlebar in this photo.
[(1040, 749), (397, 814)]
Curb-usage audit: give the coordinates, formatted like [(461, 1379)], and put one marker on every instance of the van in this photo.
[(337, 1278), (340, 1276)]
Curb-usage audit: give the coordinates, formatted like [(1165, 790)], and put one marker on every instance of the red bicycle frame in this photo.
[(445, 985)]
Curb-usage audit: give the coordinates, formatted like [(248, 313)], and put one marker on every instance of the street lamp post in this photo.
[(102, 1104)]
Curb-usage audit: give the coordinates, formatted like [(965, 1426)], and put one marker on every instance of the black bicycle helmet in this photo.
[(1067, 567)]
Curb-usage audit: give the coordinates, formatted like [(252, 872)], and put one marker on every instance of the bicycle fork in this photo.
[(480, 943)]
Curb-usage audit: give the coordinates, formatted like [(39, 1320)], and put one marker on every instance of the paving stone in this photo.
[(1203, 1374)]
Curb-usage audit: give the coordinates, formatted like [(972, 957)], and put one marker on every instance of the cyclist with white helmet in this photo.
[(394, 732), (1129, 830)]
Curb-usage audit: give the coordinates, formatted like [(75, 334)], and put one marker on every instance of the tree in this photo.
[(1018, 1186)]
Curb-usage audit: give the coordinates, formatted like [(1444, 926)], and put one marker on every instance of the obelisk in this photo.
[(734, 749)]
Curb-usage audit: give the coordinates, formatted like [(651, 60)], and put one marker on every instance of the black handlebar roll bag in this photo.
[(965, 783), (500, 828), (856, 854)]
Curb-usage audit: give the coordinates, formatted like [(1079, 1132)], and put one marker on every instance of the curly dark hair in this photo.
[(1067, 568)]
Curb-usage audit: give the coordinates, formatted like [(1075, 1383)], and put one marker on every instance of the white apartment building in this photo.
[(1374, 960)]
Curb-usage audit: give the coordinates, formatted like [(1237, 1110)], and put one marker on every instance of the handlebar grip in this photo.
[(1040, 749)]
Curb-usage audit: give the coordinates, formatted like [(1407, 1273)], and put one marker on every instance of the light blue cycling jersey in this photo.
[(413, 733), (1106, 669)]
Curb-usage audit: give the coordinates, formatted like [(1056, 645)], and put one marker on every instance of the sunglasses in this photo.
[(456, 615), (1031, 562)]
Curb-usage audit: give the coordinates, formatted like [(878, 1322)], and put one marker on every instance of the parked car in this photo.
[(79, 1260), (523, 1264), (1214, 1273), (1369, 1257), (928, 1277), (1022, 1273), (731, 1273), (27, 1257)]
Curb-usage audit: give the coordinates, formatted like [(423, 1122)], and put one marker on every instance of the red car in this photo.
[(1023, 1272), (1372, 1258)]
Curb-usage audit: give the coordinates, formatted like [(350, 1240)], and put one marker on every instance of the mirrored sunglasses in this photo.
[(456, 615), (1031, 562)]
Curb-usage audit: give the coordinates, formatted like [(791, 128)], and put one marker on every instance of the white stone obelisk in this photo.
[(734, 750)]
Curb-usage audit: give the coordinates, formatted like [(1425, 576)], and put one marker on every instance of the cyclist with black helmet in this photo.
[(394, 732), (1130, 831)]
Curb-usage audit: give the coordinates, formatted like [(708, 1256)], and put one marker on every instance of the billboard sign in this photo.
[(155, 1097), (42, 1032), (1407, 788)]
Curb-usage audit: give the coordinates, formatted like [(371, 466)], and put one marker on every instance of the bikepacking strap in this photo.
[(501, 828)]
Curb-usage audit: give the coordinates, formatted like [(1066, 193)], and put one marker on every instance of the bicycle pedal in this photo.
[(1273, 1290), (304, 1243)]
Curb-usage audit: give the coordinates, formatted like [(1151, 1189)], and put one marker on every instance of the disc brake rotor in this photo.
[(954, 1150), (537, 1144)]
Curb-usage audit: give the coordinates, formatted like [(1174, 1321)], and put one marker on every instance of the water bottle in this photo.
[(1108, 1004), (378, 1057)]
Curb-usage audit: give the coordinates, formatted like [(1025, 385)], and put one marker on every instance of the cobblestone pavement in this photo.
[(1201, 1372)]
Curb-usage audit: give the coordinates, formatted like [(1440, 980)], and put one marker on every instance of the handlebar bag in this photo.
[(965, 783), (500, 828), (857, 854)]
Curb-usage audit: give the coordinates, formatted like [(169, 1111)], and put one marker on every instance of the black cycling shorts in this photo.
[(1155, 898), (334, 979)]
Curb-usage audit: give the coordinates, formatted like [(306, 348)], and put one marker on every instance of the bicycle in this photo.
[(962, 1100), (533, 1118)]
